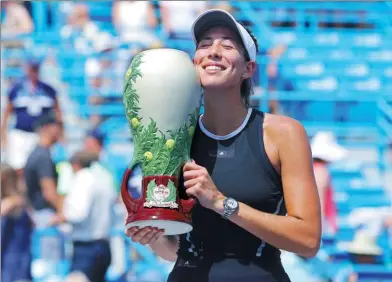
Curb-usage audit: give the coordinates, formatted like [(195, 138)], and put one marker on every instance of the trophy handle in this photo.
[(130, 203), (187, 205)]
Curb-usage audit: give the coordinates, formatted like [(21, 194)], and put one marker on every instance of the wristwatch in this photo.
[(230, 205)]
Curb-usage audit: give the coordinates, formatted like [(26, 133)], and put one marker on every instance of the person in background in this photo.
[(16, 20), (88, 208), (40, 171), (326, 150), (16, 229), (29, 100), (178, 16), (362, 250), (80, 31), (134, 21)]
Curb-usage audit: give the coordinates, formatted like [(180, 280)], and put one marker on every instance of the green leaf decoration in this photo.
[(173, 192), (147, 138), (150, 190)]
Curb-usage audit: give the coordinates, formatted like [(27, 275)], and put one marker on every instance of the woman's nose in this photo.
[(215, 51)]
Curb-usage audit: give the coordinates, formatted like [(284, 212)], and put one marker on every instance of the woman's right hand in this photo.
[(146, 235)]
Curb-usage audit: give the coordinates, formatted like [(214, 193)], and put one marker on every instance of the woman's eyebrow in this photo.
[(210, 38)]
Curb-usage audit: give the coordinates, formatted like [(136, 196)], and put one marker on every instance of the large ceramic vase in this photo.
[(162, 96)]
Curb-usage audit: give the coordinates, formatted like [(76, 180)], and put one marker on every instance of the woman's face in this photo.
[(220, 59)]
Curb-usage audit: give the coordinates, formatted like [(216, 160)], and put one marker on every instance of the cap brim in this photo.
[(211, 18)]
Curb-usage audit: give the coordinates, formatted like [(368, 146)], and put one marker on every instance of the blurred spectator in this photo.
[(40, 172), (105, 75), (326, 150), (16, 229), (362, 250), (28, 100), (134, 21), (16, 20), (93, 143), (178, 16), (80, 30), (88, 207), (277, 82)]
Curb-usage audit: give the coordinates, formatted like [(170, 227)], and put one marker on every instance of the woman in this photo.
[(249, 170), (16, 229)]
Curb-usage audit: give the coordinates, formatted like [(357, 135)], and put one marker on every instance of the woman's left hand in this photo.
[(198, 184)]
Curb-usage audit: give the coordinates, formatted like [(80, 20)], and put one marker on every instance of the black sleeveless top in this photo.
[(240, 168)]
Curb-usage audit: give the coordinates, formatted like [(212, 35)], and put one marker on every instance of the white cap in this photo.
[(363, 244), (325, 147), (218, 16)]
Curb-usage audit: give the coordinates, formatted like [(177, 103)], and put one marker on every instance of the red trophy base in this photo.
[(159, 205)]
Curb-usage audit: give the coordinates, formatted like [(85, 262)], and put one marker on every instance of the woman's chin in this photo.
[(212, 84)]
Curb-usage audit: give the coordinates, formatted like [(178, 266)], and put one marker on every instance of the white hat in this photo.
[(325, 147), (219, 16), (364, 244)]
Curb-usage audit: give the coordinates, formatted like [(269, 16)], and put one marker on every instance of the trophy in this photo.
[(162, 97)]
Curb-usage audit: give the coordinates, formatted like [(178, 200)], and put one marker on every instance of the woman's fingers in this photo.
[(141, 233), (190, 174), (157, 235), (148, 236), (131, 231), (190, 183), (145, 235), (151, 237)]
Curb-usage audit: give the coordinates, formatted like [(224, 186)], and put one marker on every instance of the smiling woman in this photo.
[(251, 173)]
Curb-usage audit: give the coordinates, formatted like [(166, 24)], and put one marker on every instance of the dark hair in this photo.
[(84, 158), (247, 84), (97, 135)]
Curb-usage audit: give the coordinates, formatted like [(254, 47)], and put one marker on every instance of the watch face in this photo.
[(231, 203)]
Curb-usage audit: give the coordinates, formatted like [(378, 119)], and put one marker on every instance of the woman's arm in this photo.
[(166, 247), (298, 232)]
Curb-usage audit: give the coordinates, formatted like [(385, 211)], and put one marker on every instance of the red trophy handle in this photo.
[(187, 205), (130, 203)]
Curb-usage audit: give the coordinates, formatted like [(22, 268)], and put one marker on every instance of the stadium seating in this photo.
[(339, 59)]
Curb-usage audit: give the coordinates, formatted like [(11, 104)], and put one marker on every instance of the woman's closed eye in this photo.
[(204, 45), (228, 46)]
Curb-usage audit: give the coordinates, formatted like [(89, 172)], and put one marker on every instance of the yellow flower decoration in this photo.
[(170, 144), (135, 122), (128, 74), (191, 130), (148, 156)]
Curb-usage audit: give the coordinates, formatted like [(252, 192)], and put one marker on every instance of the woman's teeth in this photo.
[(214, 68)]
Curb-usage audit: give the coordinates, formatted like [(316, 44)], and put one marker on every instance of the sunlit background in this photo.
[(327, 64)]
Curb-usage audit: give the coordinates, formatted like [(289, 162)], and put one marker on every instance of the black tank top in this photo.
[(241, 169)]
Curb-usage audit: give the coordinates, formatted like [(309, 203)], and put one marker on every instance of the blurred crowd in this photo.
[(80, 193)]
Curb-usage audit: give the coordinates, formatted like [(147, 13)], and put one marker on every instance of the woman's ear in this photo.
[(249, 70)]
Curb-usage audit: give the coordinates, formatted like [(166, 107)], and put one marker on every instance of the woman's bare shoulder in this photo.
[(283, 128)]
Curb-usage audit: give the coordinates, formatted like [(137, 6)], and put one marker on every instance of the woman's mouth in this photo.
[(213, 68)]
